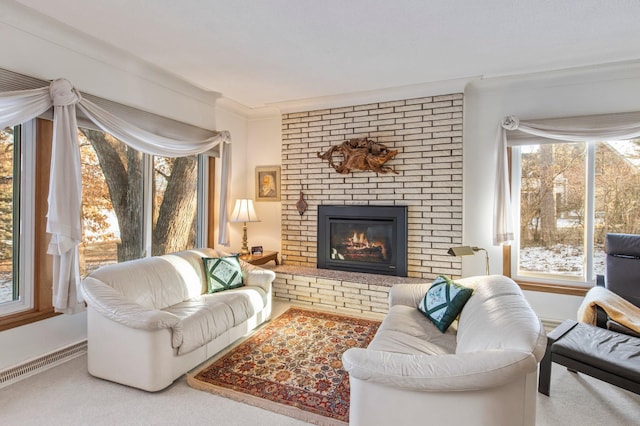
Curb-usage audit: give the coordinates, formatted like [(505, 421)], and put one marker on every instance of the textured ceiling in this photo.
[(259, 52)]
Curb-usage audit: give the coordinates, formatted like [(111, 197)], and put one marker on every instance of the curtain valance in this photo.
[(65, 188), (582, 129)]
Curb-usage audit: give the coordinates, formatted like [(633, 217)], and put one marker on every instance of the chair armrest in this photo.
[(111, 304), (452, 372)]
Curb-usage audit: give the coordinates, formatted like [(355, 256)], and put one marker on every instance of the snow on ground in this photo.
[(560, 259)]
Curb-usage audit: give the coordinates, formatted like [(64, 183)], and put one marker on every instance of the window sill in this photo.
[(554, 288), (23, 318)]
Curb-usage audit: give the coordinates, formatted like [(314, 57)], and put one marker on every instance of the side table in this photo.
[(261, 259)]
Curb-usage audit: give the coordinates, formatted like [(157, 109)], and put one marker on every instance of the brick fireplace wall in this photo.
[(427, 132)]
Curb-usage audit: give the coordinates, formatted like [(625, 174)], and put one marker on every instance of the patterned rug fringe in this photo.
[(286, 410)]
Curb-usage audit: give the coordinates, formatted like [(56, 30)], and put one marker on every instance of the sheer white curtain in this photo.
[(65, 188), (583, 129)]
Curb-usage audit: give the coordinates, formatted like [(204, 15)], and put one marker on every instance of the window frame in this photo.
[(23, 219), (569, 285), (35, 243)]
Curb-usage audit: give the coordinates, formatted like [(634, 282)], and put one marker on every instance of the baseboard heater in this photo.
[(37, 365)]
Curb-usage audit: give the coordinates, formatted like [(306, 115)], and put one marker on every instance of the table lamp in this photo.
[(244, 212)]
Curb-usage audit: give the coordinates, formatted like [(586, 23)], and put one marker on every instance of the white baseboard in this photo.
[(37, 365), (550, 324)]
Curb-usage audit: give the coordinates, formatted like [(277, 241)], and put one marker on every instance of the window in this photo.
[(9, 212), (134, 205), (112, 201), (570, 196), (115, 224), (26, 292), (175, 202), (17, 165)]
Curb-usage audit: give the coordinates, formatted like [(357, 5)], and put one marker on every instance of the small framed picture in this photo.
[(268, 183), (256, 250)]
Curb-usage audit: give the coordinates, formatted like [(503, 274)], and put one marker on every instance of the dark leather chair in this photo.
[(622, 275), (609, 351)]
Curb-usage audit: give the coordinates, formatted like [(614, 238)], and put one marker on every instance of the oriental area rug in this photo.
[(292, 366)]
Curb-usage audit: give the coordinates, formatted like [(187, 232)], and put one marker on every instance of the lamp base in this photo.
[(245, 248)]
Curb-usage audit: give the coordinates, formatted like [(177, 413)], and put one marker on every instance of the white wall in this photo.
[(264, 148), (257, 140), (228, 118), (39, 47), (597, 90), (22, 344)]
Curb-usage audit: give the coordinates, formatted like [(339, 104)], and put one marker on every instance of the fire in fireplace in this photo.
[(363, 239)]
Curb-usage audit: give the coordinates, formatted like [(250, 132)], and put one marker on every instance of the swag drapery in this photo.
[(578, 131), (65, 187)]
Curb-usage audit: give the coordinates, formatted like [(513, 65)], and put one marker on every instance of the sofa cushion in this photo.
[(223, 273), (205, 317), (407, 331), (154, 282), (443, 302)]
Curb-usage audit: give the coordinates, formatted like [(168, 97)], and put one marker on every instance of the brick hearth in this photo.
[(331, 290)]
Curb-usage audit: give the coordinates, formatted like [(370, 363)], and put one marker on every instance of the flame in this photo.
[(360, 239)]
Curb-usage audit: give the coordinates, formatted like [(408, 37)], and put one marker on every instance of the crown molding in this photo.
[(245, 111), (621, 70), (436, 88)]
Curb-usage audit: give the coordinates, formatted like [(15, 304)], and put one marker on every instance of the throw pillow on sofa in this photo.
[(222, 273), (444, 301)]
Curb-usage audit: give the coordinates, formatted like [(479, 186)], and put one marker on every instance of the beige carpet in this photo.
[(68, 395)]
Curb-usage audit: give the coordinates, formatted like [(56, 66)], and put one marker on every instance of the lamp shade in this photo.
[(469, 251), (244, 212)]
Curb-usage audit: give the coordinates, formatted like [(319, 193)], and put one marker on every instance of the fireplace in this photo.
[(359, 238)]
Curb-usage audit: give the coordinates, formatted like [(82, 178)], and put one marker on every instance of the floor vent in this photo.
[(42, 363)]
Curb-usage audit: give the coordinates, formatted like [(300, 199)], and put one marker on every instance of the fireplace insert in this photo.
[(360, 238)]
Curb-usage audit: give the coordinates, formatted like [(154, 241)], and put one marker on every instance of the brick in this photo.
[(429, 139)]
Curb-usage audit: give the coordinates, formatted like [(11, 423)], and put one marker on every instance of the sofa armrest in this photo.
[(112, 305), (407, 294), (258, 277), (452, 372)]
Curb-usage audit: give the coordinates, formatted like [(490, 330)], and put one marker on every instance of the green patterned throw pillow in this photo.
[(443, 302), (222, 273)]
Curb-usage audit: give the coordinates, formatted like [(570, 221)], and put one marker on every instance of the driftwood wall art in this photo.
[(360, 154)]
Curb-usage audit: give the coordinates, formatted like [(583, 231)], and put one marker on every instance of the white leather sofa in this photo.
[(482, 371), (151, 320)]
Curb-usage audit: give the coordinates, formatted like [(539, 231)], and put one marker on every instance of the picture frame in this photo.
[(268, 183), (256, 250)]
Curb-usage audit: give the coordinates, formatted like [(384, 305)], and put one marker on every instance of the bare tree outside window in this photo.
[(175, 199), (113, 178)]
